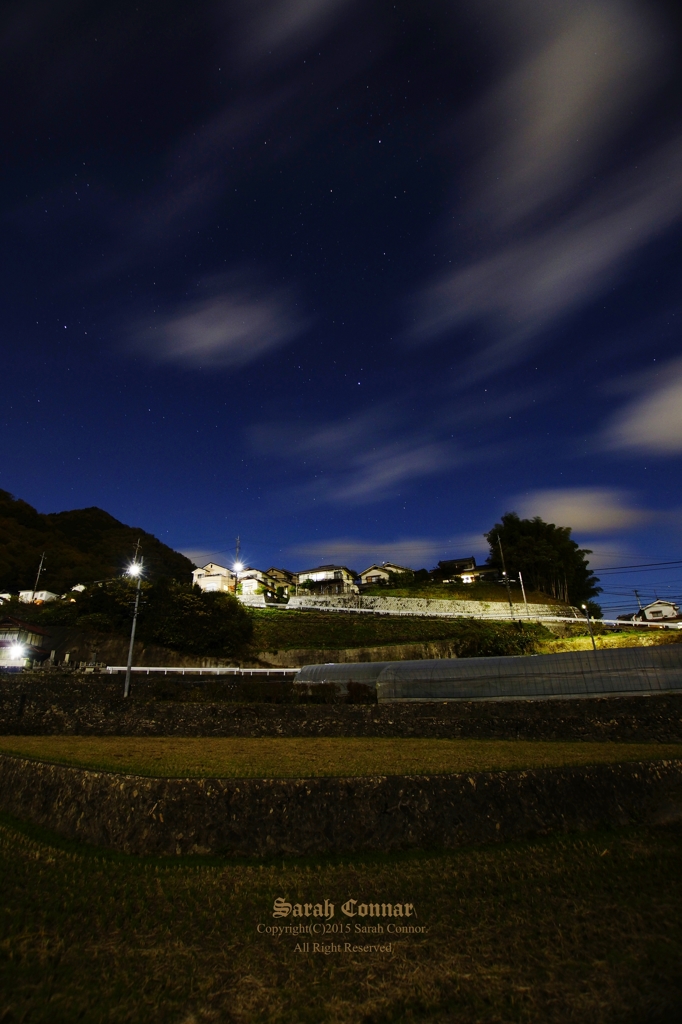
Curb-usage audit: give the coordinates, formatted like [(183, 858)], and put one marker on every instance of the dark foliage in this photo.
[(546, 556), (172, 614), (80, 546), (476, 639), (181, 616), (361, 693)]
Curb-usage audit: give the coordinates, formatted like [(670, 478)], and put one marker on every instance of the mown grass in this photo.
[(492, 593), (279, 630), (328, 756), (572, 929)]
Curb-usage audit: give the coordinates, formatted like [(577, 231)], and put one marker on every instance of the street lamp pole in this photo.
[(40, 569), (589, 625), (238, 566), (523, 591), (134, 570), (505, 577)]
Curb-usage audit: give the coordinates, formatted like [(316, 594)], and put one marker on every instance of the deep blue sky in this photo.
[(349, 280)]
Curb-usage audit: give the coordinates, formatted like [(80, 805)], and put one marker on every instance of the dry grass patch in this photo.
[(569, 929), (308, 757), (648, 638)]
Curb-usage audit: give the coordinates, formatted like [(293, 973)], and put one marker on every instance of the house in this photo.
[(463, 570), (380, 573), (659, 610), (214, 577), (253, 581), (36, 596), (21, 643), (328, 579), (282, 577)]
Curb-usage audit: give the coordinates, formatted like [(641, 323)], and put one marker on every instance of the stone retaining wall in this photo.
[(295, 817), (96, 708), (441, 608)]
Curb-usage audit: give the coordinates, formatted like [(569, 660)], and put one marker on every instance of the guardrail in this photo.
[(192, 670)]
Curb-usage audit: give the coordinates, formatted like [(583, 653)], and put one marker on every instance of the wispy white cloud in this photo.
[(360, 459), (584, 509), (546, 240), (652, 422), (232, 326), (549, 118), (412, 552), (281, 28)]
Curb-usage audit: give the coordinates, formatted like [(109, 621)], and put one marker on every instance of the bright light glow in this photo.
[(238, 566), (134, 569), (16, 651)]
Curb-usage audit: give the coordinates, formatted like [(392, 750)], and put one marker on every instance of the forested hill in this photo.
[(80, 546)]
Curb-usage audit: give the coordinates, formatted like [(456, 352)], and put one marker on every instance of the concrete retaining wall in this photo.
[(268, 817), (297, 657), (430, 608)]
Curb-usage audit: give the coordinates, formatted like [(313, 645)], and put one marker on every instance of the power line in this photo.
[(643, 565)]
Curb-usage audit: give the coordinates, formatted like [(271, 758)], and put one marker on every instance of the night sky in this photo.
[(348, 280)]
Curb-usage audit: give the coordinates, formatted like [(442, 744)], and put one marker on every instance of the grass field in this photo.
[(567, 930), (279, 630), (308, 757)]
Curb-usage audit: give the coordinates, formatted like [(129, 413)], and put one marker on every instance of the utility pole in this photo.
[(135, 569), (523, 591), (40, 569), (505, 577)]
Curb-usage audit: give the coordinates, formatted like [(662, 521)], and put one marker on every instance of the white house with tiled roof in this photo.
[(380, 573), (214, 577)]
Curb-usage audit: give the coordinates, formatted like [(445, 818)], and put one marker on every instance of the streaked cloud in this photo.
[(591, 509), (412, 552), (569, 94), (652, 422), (230, 327), (357, 460), (283, 27), (543, 239)]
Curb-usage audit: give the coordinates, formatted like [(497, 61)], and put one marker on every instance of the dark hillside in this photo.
[(80, 546)]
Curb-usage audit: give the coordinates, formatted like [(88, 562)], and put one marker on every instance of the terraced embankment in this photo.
[(323, 813)]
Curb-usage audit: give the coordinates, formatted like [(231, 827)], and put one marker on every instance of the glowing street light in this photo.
[(237, 568), (16, 652), (589, 625), (134, 570)]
